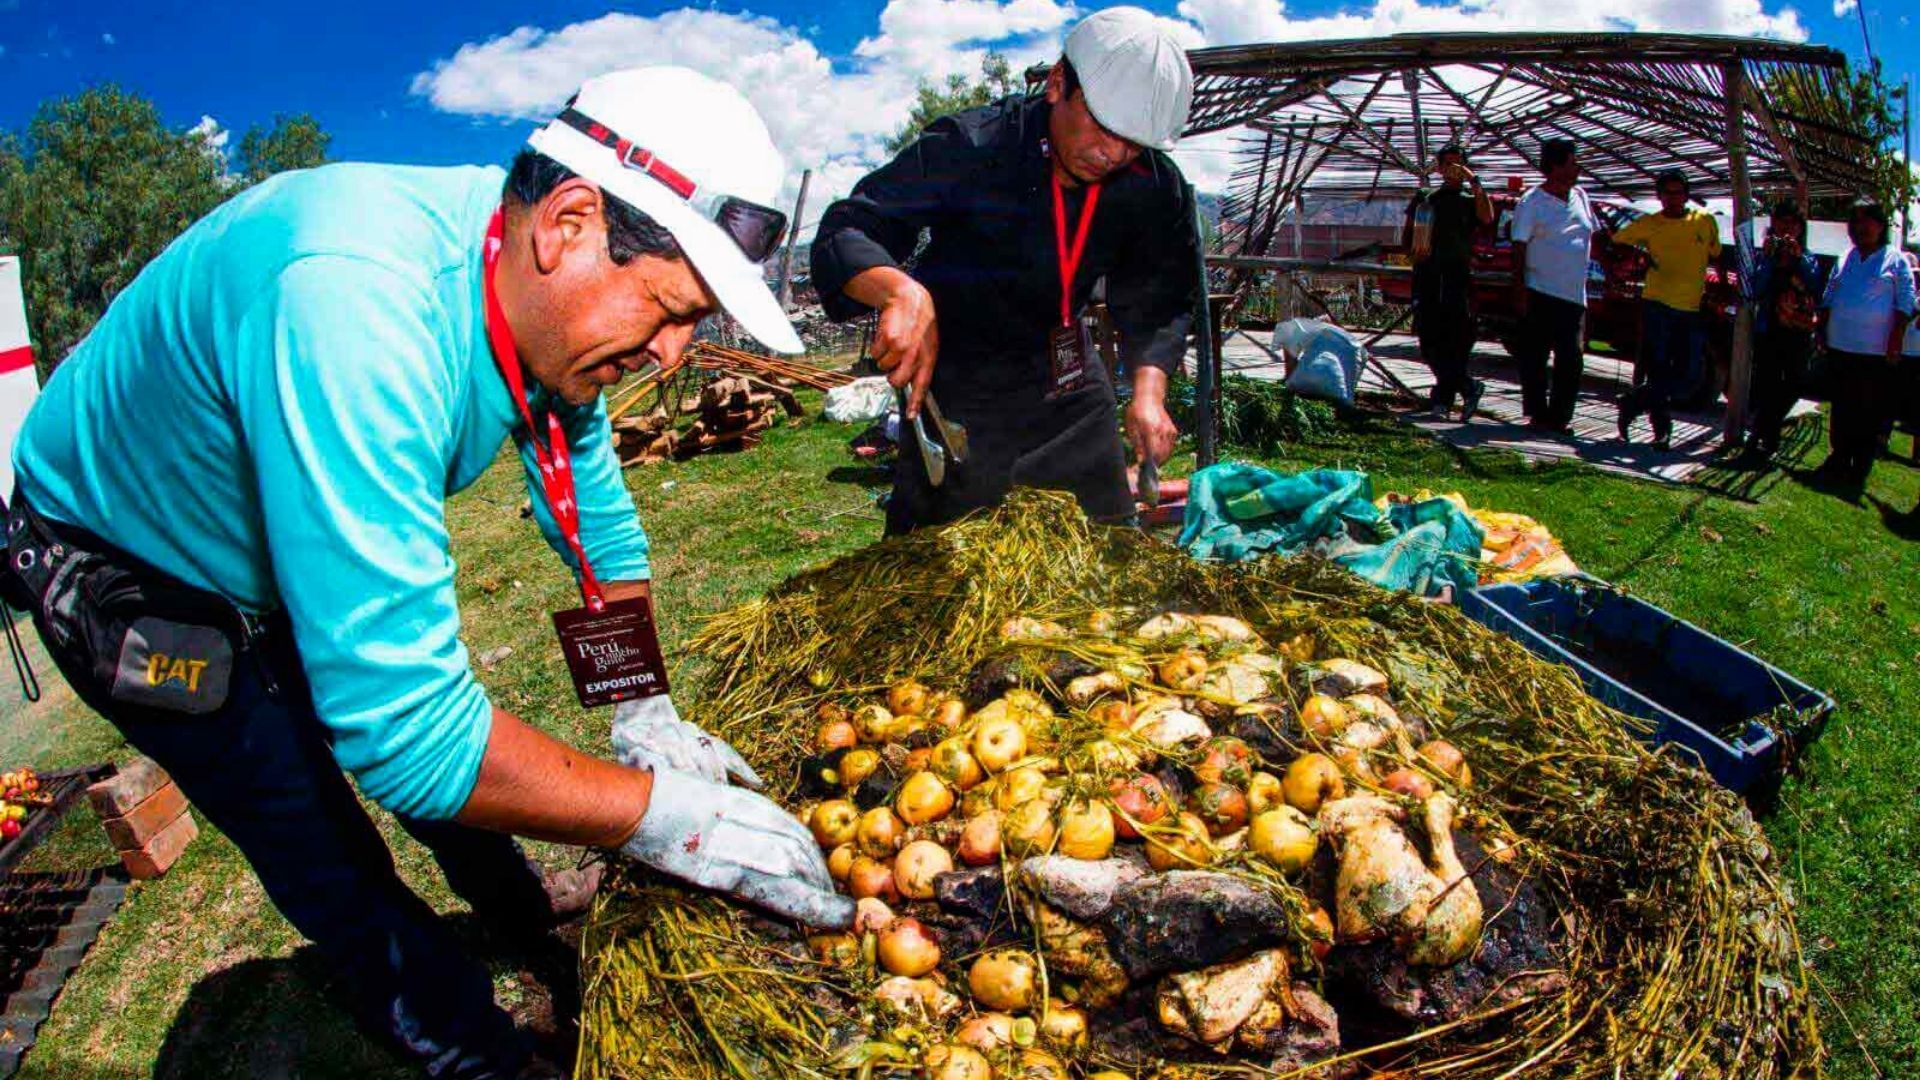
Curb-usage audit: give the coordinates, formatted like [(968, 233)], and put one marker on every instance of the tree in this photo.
[(959, 93), (1866, 101), (294, 142), (98, 185)]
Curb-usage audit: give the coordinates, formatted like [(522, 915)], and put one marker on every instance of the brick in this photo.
[(140, 824), (128, 788), (154, 857)]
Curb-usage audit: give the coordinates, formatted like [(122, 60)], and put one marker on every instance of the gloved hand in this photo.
[(649, 734), (732, 841)]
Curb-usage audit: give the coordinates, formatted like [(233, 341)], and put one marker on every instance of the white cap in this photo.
[(704, 131), (1134, 73)]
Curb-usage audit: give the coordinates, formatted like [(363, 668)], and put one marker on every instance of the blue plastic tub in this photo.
[(1735, 713)]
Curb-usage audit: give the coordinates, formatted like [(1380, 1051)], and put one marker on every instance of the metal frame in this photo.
[(1739, 115)]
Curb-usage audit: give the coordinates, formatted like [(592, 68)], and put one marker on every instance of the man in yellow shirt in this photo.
[(1679, 242)]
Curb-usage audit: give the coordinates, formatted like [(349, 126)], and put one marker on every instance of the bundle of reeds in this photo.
[(1678, 940)]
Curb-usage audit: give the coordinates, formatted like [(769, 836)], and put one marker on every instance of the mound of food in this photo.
[(1109, 812), (1132, 839)]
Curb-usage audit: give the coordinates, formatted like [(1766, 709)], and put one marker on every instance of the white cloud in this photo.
[(832, 114), (107, 39), (821, 118), (1844, 8), (211, 134), (937, 38), (1234, 21)]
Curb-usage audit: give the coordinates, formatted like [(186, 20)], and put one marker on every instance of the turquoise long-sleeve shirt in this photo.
[(276, 410)]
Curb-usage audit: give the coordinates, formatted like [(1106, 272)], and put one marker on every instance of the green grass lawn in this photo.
[(198, 977)]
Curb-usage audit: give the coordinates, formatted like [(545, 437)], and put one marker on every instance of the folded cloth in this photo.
[(1237, 511)]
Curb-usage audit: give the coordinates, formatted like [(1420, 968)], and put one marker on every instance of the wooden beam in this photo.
[(1358, 125), (1410, 79), (1548, 81), (1740, 388), (1764, 113)]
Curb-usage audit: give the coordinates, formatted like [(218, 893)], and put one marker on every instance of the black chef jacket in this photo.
[(978, 184)]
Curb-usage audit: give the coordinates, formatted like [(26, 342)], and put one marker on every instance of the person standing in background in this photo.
[(1680, 242), (1868, 303), (1439, 238), (1553, 227), (1786, 298)]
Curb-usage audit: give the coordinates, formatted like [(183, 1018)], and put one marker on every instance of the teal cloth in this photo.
[(276, 410), (1237, 511)]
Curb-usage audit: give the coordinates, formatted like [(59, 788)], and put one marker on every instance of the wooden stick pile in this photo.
[(707, 355)]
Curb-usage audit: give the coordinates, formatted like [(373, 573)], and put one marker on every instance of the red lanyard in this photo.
[(556, 463), (1070, 260)]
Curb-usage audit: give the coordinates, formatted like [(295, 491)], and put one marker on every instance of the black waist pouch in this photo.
[(130, 639)]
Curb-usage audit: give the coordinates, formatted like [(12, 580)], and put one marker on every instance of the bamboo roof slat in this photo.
[(1365, 115)]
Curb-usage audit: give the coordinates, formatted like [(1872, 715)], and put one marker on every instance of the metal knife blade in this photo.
[(930, 451), (1146, 483)]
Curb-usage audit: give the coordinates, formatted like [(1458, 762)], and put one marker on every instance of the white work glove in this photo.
[(732, 841), (648, 733)]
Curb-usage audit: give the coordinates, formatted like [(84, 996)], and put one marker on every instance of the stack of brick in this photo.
[(145, 816)]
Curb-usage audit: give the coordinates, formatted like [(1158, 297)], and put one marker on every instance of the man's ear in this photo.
[(1056, 85), (569, 216)]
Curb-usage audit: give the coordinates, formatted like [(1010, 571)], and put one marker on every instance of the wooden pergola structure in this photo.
[(1361, 116)]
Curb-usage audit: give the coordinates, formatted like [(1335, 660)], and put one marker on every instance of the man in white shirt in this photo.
[(1553, 227)]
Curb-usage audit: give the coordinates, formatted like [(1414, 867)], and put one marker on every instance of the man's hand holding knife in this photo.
[(906, 339)]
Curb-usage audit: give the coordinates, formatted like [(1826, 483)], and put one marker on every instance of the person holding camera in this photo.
[(1439, 239), (1786, 299)]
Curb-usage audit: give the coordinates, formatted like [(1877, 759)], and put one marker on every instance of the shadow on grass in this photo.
[(291, 1017), (1904, 524), (863, 475), (1799, 440)]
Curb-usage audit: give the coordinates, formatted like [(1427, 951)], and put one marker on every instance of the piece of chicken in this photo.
[(1384, 889)]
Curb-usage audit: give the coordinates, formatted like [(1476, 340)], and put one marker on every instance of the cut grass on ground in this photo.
[(198, 977)]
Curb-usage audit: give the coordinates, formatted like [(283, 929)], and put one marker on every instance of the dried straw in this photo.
[(1679, 939)]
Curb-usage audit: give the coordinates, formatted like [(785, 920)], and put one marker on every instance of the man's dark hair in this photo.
[(630, 233), (1453, 148), (1869, 207), (1789, 207), (1554, 153), (1069, 78), (1673, 176)]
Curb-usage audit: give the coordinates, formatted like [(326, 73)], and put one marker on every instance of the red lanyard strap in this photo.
[(556, 462), (1070, 260)]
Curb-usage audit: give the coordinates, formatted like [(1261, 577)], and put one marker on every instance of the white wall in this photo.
[(19, 383)]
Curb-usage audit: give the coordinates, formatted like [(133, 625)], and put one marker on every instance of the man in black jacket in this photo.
[(1028, 203)]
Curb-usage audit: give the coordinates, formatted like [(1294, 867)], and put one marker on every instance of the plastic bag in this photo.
[(860, 401), (1329, 359)]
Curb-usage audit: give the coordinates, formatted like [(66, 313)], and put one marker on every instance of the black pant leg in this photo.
[(1456, 340), (1854, 420), (1779, 372), (488, 870), (262, 772), (1569, 360), (1534, 339), (1440, 311)]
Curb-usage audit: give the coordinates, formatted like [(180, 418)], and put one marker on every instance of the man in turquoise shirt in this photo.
[(267, 423)]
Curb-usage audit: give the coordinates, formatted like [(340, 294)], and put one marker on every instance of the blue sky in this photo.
[(392, 82)]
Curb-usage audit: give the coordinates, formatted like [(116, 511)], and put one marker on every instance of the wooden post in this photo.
[(793, 234), (1906, 206), (1206, 358), (1740, 383)]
